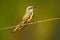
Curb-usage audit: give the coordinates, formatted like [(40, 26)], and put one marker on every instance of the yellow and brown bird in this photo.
[(26, 18)]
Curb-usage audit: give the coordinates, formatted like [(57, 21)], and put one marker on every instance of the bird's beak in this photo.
[(34, 7)]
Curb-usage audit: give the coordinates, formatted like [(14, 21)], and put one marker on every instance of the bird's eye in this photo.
[(29, 8)]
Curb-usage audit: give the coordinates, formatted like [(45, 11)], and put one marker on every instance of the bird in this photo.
[(26, 18)]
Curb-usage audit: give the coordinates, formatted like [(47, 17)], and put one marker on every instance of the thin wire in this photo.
[(31, 23), (7, 28), (44, 21)]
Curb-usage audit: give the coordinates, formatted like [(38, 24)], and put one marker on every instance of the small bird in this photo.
[(26, 18)]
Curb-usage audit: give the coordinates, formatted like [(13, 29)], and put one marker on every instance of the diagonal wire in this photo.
[(7, 28), (44, 21), (31, 23)]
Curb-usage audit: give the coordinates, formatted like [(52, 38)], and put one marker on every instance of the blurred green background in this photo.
[(12, 11)]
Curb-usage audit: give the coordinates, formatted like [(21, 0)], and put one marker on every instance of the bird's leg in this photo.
[(22, 26)]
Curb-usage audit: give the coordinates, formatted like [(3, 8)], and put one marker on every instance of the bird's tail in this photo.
[(20, 26), (16, 28)]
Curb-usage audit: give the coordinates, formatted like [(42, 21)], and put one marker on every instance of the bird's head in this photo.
[(30, 9)]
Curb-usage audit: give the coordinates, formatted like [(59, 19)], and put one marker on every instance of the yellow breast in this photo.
[(31, 16)]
